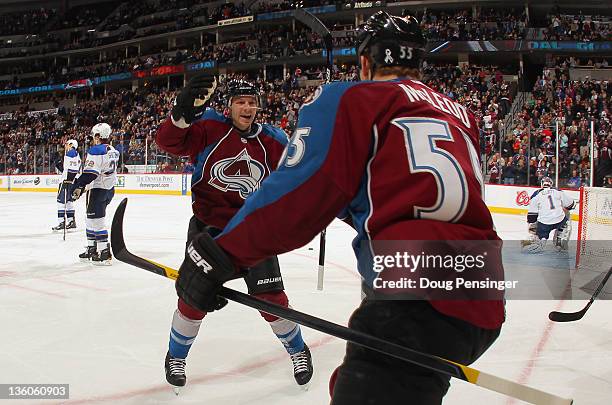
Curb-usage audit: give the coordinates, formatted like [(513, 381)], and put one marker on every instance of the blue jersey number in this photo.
[(424, 156)]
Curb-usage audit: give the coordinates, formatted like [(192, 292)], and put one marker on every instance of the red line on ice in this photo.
[(87, 287), (197, 380), (35, 290), (535, 354)]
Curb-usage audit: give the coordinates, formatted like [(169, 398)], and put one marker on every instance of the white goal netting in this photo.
[(595, 226)]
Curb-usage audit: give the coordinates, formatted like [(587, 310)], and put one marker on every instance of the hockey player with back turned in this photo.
[(232, 156), (70, 168), (402, 161), (549, 210), (99, 171)]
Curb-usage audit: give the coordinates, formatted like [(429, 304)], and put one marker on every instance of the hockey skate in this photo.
[(88, 254), (71, 227), (302, 367), (59, 227), (104, 258), (175, 372)]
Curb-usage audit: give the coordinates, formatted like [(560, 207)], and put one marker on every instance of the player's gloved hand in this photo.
[(67, 184), (193, 99), (205, 268), (75, 191)]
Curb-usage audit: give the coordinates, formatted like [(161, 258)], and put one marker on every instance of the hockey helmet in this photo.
[(103, 130), (237, 88), (391, 40), (546, 182), (73, 143)]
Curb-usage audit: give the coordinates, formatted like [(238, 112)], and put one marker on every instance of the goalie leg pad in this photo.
[(536, 246), (562, 234)]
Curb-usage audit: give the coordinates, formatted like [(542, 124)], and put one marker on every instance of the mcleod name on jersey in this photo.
[(403, 168), (229, 165), (102, 161)]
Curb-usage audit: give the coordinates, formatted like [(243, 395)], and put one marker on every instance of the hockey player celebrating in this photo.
[(70, 168), (402, 160), (232, 156), (99, 173), (549, 210)]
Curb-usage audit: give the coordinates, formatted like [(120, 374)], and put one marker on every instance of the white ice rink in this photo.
[(104, 330)]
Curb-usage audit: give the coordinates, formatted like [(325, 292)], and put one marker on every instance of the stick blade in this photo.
[(117, 241), (556, 316)]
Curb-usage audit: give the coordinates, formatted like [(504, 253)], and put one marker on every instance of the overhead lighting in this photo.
[(91, 30)]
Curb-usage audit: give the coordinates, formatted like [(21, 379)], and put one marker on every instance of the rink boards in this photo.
[(504, 199)]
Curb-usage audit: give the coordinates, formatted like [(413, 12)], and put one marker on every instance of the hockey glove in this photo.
[(192, 100), (75, 191), (205, 268)]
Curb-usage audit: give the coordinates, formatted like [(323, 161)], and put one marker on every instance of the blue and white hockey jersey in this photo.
[(102, 161)]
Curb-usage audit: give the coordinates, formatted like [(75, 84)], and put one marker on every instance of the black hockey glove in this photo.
[(193, 99), (205, 268), (75, 191)]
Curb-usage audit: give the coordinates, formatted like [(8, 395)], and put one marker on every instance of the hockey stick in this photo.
[(315, 25), (65, 216), (438, 364), (321, 270), (574, 316)]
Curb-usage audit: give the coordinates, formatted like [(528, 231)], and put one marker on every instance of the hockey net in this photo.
[(594, 226)]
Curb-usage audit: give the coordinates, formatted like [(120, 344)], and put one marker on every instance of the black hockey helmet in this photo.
[(391, 40), (237, 88)]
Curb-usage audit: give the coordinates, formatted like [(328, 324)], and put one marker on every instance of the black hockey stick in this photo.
[(65, 216), (434, 363), (574, 316), (315, 25)]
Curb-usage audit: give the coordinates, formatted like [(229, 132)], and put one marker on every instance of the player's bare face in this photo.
[(243, 109)]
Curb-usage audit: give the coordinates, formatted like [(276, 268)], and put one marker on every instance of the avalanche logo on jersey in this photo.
[(240, 173)]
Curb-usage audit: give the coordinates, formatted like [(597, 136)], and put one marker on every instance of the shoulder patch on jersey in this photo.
[(72, 153), (278, 134), (536, 193), (100, 149), (212, 114)]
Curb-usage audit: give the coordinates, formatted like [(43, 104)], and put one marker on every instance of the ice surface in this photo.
[(104, 330)]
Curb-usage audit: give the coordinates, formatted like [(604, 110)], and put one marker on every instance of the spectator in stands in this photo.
[(574, 181)]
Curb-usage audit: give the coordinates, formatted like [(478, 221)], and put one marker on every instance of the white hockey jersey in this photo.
[(548, 203), (72, 164), (102, 161)]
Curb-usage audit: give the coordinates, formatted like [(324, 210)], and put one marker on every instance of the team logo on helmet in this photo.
[(240, 173)]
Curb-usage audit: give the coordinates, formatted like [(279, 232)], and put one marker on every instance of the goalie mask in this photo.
[(546, 182)]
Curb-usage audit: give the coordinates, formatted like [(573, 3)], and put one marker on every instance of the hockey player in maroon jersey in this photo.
[(402, 161), (232, 155)]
